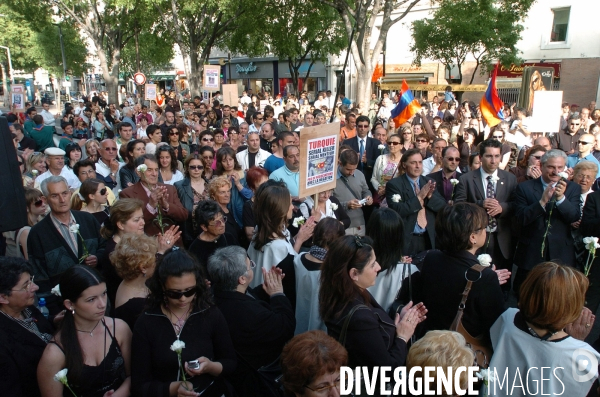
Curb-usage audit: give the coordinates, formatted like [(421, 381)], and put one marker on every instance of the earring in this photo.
[(72, 311)]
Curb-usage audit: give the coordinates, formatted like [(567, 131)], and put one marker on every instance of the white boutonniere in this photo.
[(34, 173), (495, 178), (396, 198), (178, 346), (381, 147), (298, 221), (484, 260), (454, 182), (333, 206), (74, 228), (56, 290)]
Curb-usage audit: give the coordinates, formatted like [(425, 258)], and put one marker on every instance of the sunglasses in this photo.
[(177, 294), (173, 133), (453, 158), (110, 149), (363, 126), (39, 203), (226, 122), (20, 163), (207, 139), (421, 141), (196, 167), (219, 222), (537, 157), (204, 121), (576, 125), (261, 119), (393, 143), (585, 143), (497, 136), (103, 191)]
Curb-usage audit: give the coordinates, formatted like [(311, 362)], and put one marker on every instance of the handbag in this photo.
[(481, 350), (342, 338)]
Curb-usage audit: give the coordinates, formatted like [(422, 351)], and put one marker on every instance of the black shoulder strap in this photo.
[(342, 338), (349, 188)]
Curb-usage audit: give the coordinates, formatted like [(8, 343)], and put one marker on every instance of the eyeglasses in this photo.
[(103, 191), (453, 158), (39, 203), (173, 133), (219, 222), (363, 126), (226, 122), (110, 149), (178, 294), (585, 143), (204, 121), (261, 119), (324, 389), (576, 125), (27, 287), (421, 140), (537, 157), (497, 136), (207, 139), (393, 143), (196, 167)]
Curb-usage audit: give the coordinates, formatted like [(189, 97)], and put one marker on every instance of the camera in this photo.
[(363, 201), (193, 364)]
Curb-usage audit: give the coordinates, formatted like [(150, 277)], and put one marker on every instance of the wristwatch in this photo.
[(112, 174)]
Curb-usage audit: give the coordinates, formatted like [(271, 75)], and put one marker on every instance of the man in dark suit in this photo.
[(493, 189), (449, 171), (417, 201), (153, 194), (547, 199), (366, 148), (590, 227)]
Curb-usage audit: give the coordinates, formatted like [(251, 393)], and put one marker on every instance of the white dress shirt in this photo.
[(66, 173)]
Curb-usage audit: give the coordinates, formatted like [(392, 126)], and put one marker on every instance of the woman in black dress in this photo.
[(95, 349), (93, 193), (212, 221)]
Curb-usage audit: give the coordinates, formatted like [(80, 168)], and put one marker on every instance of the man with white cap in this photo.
[(79, 109), (55, 158)]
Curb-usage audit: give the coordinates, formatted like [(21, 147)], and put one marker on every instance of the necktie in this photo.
[(361, 152), (581, 204), (421, 216), (491, 193)]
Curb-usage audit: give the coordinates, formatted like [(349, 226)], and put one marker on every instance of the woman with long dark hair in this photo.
[(350, 267), (228, 165), (127, 174), (167, 162), (180, 309), (93, 348), (92, 193)]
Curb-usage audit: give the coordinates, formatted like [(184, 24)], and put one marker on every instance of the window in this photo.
[(560, 24)]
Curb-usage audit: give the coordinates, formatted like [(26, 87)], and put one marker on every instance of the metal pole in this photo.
[(62, 50), (12, 77)]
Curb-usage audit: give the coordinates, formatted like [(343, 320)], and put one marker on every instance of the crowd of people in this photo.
[(175, 256)]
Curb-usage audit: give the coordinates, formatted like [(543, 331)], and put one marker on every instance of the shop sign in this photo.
[(247, 69), (517, 70)]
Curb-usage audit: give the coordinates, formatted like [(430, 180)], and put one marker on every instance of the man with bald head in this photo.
[(543, 141), (107, 165), (585, 145), (449, 171)]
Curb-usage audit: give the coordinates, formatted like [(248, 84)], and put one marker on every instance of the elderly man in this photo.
[(585, 145), (244, 128), (352, 191), (253, 155), (155, 196), (55, 158), (290, 172), (261, 320), (61, 240), (107, 164), (535, 201), (128, 116)]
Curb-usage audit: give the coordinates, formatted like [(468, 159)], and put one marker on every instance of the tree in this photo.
[(47, 50), (359, 19), (487, 30)]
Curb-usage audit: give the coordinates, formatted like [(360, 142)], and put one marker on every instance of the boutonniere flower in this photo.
[(298, 221), (74, 228), (495, 178), (333, 206), (454, 182), (396, 198), (56, 290), (484, 260), (61, 376), (591, 244)]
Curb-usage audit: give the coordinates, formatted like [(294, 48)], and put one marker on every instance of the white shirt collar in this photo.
[(484, 174)]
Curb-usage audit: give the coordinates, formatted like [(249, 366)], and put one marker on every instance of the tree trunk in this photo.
[(111, 81), (5, 87), (363, 82)]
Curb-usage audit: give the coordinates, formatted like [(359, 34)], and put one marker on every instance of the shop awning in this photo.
[(415, 86), (161, 77)]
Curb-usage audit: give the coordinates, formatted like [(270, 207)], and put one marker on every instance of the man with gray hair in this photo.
[(61, 240), (260, 320), (549, 200)]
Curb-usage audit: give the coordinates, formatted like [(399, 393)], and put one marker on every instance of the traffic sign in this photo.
[(139, 78)]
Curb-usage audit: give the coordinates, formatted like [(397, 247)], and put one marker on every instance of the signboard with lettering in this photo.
[(211, 77), (318, 158), (517, 70), (250, 68)]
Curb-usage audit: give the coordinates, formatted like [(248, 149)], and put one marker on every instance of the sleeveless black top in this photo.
[(109, 375)]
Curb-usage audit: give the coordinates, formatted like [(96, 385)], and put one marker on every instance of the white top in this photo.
[(104, 170), (270, 255), (259, 160), (49, 119), (380, 165), (428, 165), (177, 176), (388, 284), (307, 298), (310, 203), (516, 350), (66, 173)]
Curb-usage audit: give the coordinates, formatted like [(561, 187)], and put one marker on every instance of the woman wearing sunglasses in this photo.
[(16, 241), (211, 221), (191, 191), (530, 166), (92, 193), (386, 165), (180, 308)]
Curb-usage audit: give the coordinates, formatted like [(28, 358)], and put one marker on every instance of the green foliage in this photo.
[(488, 30), (47, 49), (156, 53)]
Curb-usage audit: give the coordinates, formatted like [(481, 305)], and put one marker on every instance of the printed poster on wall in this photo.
[(150, 92), (318, 158), (211, 77)]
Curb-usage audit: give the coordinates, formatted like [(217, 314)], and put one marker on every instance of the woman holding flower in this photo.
[(180, 325), (386, 165), (94, 349)]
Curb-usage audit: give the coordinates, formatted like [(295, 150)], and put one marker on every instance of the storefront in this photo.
[(250, 73), (316, 81)]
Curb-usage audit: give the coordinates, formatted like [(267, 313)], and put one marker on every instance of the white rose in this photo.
[(381, 147), (396, 198), (495, 178), (34, 173), (484, 260), (454, 182), (178, 346), (74, 228), (298, 221), (563, 175), (333, 206), (142, 168), (61, 376), (56, 290), (486, 375)]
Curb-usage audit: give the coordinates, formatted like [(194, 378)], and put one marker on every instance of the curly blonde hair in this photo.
[(441, 349), (215, 184), (132, 251)]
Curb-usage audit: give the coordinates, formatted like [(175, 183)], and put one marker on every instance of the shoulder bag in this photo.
[(481, 350)]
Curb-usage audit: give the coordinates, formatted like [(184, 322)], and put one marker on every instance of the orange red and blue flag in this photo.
[(407, 106), (491, 105)]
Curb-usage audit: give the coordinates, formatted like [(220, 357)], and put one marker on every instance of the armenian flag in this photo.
[(407, 106), (491, 105)]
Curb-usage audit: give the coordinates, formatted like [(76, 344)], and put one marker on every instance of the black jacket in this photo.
[(372, 154), (259, 329), (20, 353), (186, 196)]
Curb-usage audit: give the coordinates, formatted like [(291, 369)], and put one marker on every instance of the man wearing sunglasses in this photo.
[(585, 144), (567, 140), (449, 171), (108, 166), (55, 158)]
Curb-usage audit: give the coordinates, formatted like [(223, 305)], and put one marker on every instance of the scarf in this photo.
[(318, 252)]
